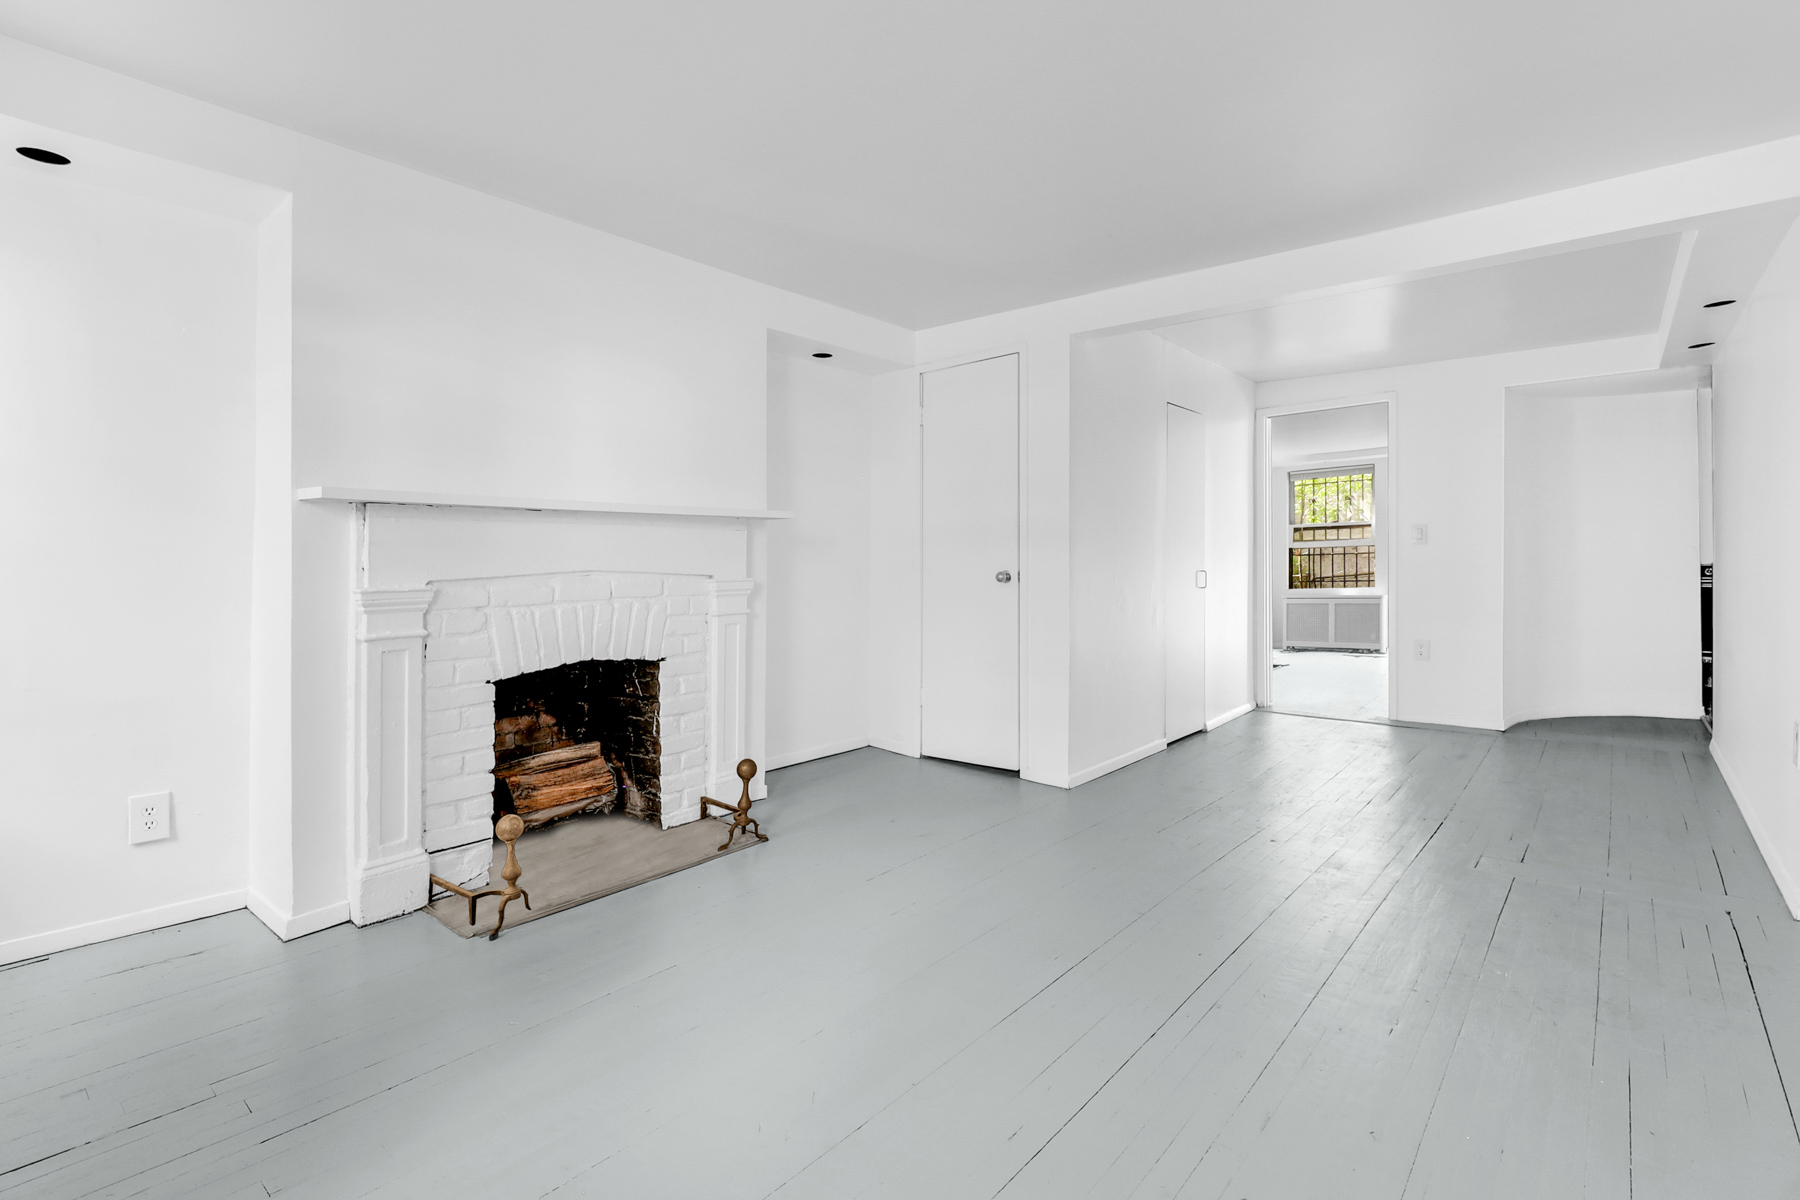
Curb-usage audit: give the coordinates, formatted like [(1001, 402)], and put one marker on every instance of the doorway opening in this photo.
[(1330, 565)]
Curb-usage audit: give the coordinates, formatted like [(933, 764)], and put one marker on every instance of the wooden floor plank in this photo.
[(1292, 957)]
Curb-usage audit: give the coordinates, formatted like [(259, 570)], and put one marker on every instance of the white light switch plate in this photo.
[(147, 817), (1418, 533)]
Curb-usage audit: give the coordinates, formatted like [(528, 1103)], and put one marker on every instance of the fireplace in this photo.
[(449, 671)]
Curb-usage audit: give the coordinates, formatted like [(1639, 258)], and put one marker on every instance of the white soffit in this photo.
[(938, 160), (1631, 383), (1730, 253), (1655, 280), (1587, 295)]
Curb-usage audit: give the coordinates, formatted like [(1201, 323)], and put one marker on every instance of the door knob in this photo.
[(1002, 576)]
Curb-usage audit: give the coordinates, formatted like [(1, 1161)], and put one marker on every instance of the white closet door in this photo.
[(970, 674), (1184, 575)]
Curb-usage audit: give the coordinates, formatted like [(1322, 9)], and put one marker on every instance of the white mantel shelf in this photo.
[(347, 495)]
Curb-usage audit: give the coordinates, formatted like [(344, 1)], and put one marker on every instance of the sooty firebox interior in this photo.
[(581, 737)]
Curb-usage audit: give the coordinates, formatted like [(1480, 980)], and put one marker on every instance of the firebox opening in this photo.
[(583, 737)]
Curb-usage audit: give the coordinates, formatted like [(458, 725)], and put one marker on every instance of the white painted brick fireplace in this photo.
[(428, 657)]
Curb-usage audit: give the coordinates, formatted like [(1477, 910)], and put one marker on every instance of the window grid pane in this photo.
[(1331, 567), (1334, 533)]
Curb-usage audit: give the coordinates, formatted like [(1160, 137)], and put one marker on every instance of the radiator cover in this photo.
[(1335, 622)]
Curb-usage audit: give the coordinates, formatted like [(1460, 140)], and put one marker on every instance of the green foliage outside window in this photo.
[(1334, 499)]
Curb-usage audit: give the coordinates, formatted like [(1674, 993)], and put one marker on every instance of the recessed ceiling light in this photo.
[(821, 354), (43, 156), (1718, 304), (1700, 345)]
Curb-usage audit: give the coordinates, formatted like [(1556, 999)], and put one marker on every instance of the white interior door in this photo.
[(1184, 578), (969, 693)]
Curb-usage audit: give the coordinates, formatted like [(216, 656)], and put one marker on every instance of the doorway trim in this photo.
[(1262, 625)]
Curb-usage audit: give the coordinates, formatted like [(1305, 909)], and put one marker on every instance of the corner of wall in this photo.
[(269, 826), (1785, 878), (288, 926), (894, 563)]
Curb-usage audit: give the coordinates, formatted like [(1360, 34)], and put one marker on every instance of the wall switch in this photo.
[(1199, 579), (1418, 533), (147, 817), (1422, 650)]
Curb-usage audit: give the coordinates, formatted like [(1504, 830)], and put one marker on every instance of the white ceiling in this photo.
[(939, 159), (1328, 433)]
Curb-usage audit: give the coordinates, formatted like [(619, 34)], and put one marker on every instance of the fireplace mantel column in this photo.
[(388, 865), (727, 740)]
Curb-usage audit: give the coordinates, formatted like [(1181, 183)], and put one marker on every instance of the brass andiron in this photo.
[(746, 771), (508, 829)]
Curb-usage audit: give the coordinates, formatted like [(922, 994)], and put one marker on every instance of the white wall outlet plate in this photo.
[(1422, 650), (147, 817)]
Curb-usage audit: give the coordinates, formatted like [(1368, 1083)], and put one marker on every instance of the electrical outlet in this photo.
[(147, 817), (1422, 650)]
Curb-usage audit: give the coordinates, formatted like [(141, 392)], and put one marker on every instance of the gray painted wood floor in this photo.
[(1290, 958)]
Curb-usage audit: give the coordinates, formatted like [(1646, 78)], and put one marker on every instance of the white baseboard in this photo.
[(795, 757), (1555, 713), (1784, 878), (1113, 764), (286, 927), (894, 747), (1231, 715), (38, 944)]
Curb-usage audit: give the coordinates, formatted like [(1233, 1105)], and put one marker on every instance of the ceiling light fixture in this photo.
[(1701, 345), (821, 354), (1718, 304), (43, 156)]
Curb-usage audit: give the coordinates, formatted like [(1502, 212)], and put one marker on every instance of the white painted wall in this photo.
[(1602, 557), (1447, 473), (896, 562), (441, 340), (1228, 401), (127, 392), (1756, 645), (818, 570), (1119, 386), (1128, 379)]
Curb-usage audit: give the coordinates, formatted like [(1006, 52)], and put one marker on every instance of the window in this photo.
[(1335, 506)]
